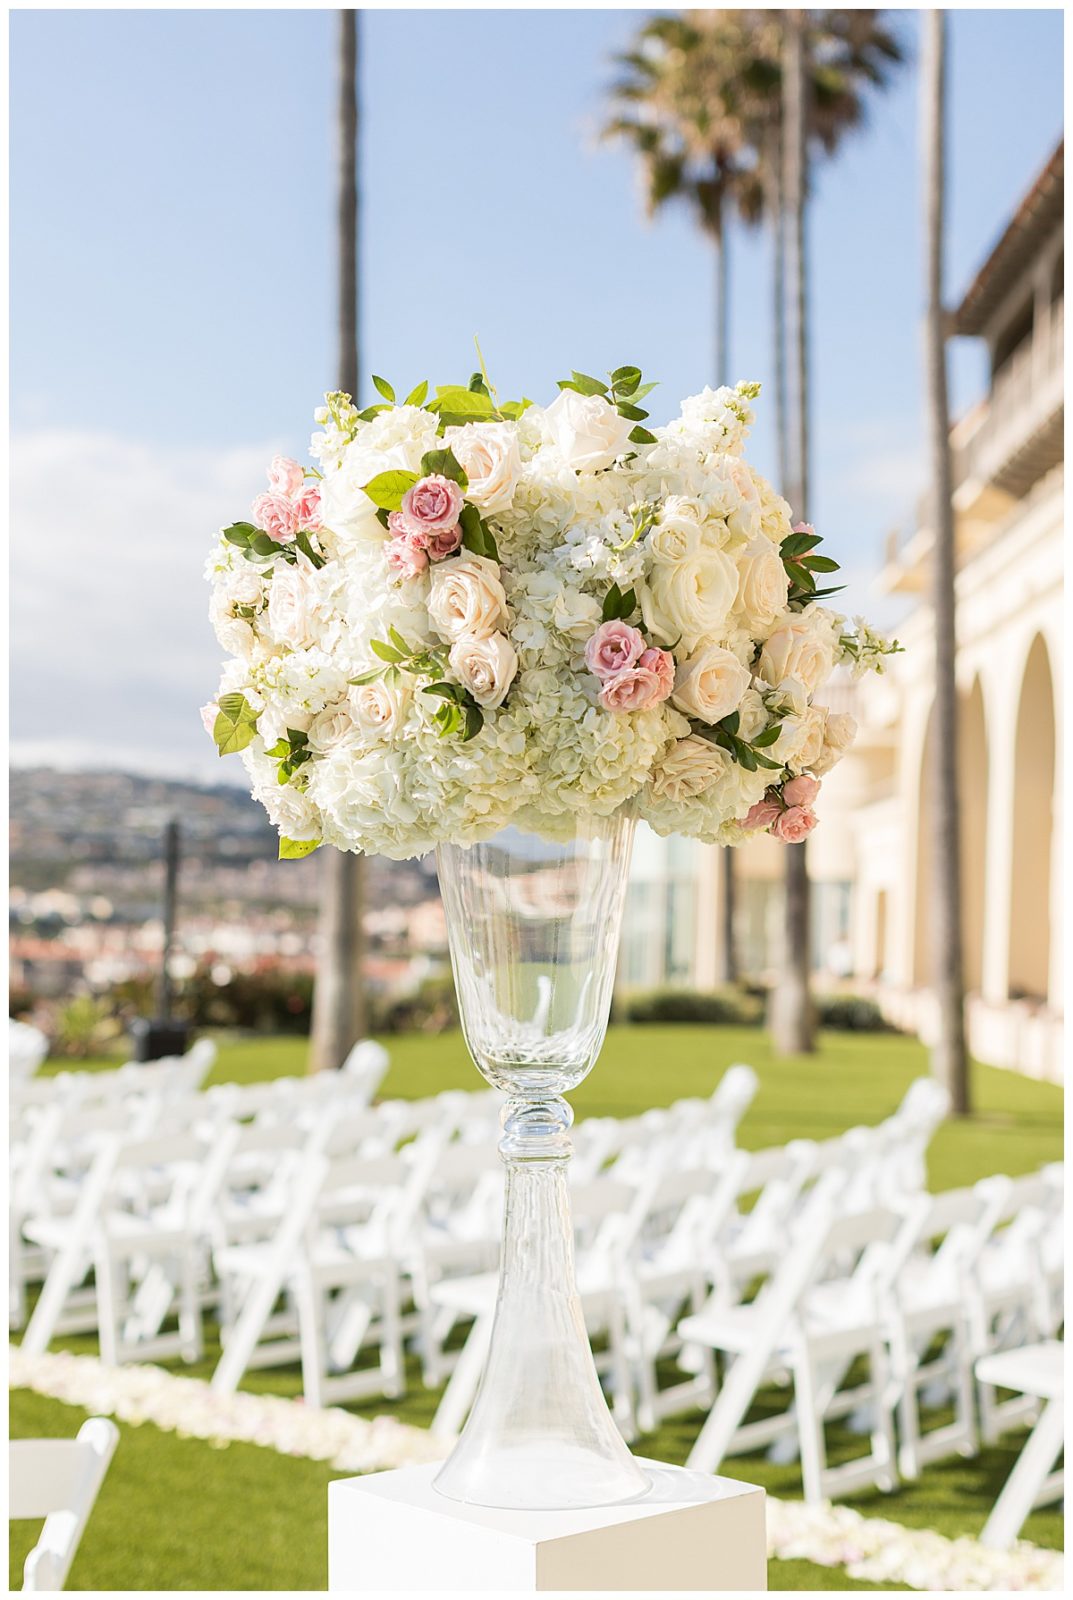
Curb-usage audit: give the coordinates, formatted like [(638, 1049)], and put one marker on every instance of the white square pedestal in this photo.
[(392, 1530)]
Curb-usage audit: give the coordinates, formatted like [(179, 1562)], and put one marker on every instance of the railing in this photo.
[(1023, 396)]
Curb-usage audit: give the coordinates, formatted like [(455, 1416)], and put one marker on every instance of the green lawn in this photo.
[(246, 1518)]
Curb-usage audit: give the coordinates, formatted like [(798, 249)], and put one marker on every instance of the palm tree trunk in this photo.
[(949, 1053), (792, 1019), (777, 214), (339, 997), (726, 951)]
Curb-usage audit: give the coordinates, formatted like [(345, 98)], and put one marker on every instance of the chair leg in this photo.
[(313, 1339), (392, 1362), (1025, 1481), (809, 1430), (459, 1394), (883, 1446), (191, 1336), (110, 1279)]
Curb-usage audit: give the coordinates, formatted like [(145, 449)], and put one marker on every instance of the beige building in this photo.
[(870, 859)]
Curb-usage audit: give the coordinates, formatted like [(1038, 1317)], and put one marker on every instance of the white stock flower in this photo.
[(488, 453), (709, 685), (486, 667), (466, 596), (690, 599), (587, 432)]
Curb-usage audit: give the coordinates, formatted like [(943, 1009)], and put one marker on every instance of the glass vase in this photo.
[(533, 928)]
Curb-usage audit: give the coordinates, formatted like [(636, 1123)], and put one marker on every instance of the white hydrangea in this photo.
[(333, 650)]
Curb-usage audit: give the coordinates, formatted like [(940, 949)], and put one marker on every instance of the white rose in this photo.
[(710, 684), (812, 739), (689, 600), (763, 585), (329, 728), (839, 734), (586, 430), (289, 613), (345, 508), (752, 715), (466, 596), (291, 811), (690, 767), (234, 633), (376, 707), (797, 650), (489, 455), (486, 667)]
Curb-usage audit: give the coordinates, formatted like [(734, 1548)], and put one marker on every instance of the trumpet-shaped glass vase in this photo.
[(534, 929)]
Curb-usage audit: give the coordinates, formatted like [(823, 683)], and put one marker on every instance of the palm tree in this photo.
[(339, 996), (949, 1054)]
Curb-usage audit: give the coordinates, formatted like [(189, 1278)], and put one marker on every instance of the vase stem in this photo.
[(539, 1434)]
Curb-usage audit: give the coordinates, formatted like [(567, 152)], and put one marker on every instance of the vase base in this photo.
[(554, 1477)]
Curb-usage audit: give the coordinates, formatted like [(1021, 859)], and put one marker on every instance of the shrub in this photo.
[(851, 1013), (733, 1006)]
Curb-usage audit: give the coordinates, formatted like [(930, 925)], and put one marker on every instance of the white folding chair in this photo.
[(1037, 1370), (27, 1048), (365, 1068), (58, 1479)]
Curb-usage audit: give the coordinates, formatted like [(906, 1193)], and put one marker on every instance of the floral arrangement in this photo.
[(471, 613)]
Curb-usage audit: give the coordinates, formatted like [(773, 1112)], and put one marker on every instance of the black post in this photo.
[(162, 1035)]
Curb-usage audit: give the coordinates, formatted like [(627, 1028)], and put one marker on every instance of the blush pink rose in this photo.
[(794, 824), (432, 505), (407, 555), (444, 543), (209, 714), (761, 815), (285, 477), (277, 516), (661, 662), (632, 689), (307, 508), (801, 791), (614, 647)]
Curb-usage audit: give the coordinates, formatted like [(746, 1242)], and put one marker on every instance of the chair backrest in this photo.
[(58, 1479), (366, 1067), (27, 1047), (734, 1094)]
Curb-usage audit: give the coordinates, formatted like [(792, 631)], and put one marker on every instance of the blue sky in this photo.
[(173, 304)]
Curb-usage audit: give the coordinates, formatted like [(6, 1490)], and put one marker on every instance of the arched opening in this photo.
[(1030, 897), (972, 782)]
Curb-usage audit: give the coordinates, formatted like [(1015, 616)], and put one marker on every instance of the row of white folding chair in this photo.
[(689, 1132)]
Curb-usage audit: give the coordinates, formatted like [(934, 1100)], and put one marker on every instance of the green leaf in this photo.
[(453, 401), (821, 594), (476, 534), (642, 436), (445, 691), (387, 488), (384, 651), (235, 725), (383, 387), (446, 465), (800, 575), (820, 564), (628, 605), (295, 849), (586, 385), (417, 396), (474, 723), (513, 409), (768, 736), (744, 755), (765, 761), (646, 388), (367, 677), (796, 544), (732, 722), (612, 601), (625, 379), (370, 412), (398, 641), (477, 384), (631, 413), (280, 749), (263, 546), (302, 540), (240, 533)]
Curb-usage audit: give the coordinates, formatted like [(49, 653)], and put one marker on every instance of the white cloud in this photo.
[(112, 653)]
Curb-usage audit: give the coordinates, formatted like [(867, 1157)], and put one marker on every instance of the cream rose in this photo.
[(752, 715), (329, 728), (812, 739), (291, 604), (466, 597), (376, 707), (838, 734), (677, 534), (762, 585), (690, 599), (797, 650), (489, 455), (586, 430), (690, 766), (710, 684), (486, 667)]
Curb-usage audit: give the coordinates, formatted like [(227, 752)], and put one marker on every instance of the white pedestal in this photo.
[(393, 1531)]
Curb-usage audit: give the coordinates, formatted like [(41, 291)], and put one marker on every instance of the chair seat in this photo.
[(1035, 1369)]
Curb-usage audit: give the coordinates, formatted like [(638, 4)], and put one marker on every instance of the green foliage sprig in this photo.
[(802, 563), (459, 713), (292, 753), (257, 547), (618, 606), (235, 725), (623, 392), (747, 753)]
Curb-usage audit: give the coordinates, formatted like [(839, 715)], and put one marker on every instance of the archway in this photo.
[(1034, 765)]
